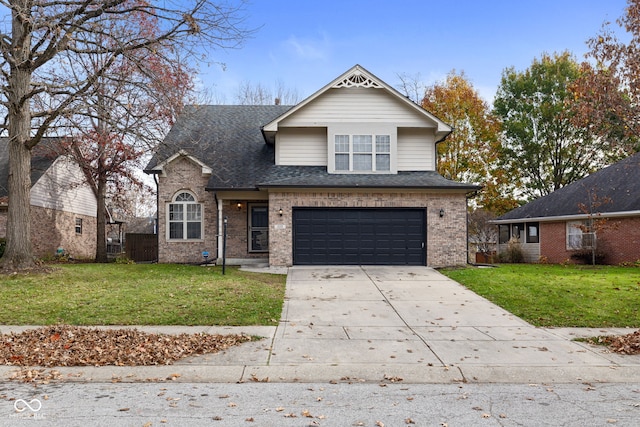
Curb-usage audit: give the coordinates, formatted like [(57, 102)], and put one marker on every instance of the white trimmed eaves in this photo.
[(576, 217), (442, 129), (159, 168)]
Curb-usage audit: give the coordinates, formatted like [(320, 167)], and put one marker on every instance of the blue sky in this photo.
[(307, 43)]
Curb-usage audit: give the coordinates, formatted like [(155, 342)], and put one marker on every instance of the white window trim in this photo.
[(372, 129), (184, 221), (573, 229)]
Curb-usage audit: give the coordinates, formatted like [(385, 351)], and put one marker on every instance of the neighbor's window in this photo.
[(533, 232), (362, 153), (517, 232), (503, 233), (258, 228), (580, 235), (78, 225), (185, 217)]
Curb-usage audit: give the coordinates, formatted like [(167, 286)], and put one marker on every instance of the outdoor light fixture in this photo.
[(441, 212), (280, 212), (239, 205)]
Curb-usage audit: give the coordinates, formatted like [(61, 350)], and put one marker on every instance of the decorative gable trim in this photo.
[(357, 79), (357, 76), (206, 170)]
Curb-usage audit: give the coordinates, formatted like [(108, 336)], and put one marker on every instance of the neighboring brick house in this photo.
[(347, 176), (63, 208), (562, 226)]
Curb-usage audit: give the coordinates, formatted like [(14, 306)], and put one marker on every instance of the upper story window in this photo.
[(362, 153), (184, 217)]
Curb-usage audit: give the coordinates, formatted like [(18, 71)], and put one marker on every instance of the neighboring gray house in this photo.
[(63, 208), (602, 209), (347, 176)]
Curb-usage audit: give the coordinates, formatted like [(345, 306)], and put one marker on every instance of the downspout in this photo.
[(155, 179), (220, 231)]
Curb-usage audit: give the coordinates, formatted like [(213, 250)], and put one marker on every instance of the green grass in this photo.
[(562, 296), (141, 294)]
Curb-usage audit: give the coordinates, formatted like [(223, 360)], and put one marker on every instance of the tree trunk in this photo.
[(101, 221), (18, 253)]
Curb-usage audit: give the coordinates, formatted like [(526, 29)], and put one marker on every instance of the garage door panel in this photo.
[(354, 236)]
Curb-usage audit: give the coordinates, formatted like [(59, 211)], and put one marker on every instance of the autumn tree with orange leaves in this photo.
[(470, 153), (607, 95), (36, 37)]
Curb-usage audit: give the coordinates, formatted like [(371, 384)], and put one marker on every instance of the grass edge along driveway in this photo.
[(557, 295), (141, 294)]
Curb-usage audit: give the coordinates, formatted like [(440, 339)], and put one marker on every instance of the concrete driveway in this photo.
[(413, 322)]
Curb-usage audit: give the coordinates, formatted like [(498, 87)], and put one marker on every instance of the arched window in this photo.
[(185, 217)]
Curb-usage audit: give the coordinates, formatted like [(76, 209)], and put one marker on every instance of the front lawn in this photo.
[(141, 294), (556, 295)]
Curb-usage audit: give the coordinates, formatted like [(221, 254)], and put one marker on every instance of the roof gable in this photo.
[(42, 157), (619, 184), (206, 170), (359, 77)]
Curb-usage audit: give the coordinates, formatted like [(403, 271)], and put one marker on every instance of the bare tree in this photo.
[(36, 100), (412, 86), (259, 94)]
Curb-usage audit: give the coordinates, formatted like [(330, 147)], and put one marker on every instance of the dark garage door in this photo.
[(355, 236)]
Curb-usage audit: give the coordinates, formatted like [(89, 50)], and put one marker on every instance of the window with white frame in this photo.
[(184, 217), (580, 235), (362, 153), (78, 225)]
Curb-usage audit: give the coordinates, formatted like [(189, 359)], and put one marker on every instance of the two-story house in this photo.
[(347, 176), (63, 206)]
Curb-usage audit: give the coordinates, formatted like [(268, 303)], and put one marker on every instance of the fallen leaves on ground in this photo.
[(64, 345), (625, 344)]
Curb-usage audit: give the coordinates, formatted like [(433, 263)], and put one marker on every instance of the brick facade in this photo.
[(619, 240), (446, 236), (52, 229), (184, 175), (3, 222)]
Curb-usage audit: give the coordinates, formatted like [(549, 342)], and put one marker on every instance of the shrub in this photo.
[(514, 252), (586, 256)]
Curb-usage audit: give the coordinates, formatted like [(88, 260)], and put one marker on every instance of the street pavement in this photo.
[(319, 404), (408, 325)]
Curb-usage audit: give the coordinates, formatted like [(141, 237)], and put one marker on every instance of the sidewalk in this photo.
[(386, 324)]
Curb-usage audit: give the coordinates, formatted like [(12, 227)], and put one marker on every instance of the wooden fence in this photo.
[(141, 247)]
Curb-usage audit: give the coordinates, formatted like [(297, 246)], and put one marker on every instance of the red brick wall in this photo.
[(182, 174), (619, 240), (3, 223), (53, 229), (446, 236)]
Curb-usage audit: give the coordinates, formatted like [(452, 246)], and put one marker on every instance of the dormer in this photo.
[(357, 124)]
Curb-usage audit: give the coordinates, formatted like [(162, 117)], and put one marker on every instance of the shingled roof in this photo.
[(41, 159), (619, 184), (229, 140)]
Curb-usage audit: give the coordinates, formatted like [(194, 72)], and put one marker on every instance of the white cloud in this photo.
[(308, 49)]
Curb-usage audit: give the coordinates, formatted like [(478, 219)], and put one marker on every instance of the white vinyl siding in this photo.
[(416, 149), (301, 146), (356, 105), (62, 187)]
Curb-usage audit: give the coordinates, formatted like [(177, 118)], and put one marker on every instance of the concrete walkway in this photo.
[(393, 324)]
